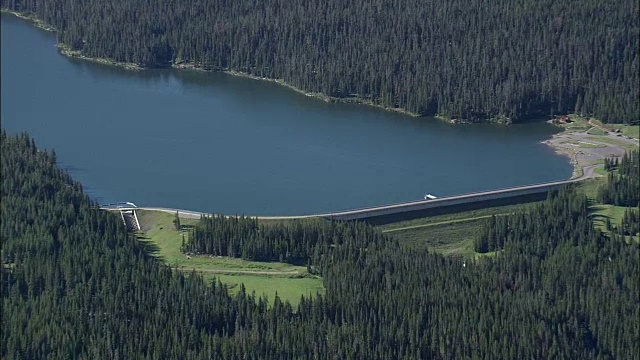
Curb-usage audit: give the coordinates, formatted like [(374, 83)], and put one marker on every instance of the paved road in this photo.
[(587, 172)]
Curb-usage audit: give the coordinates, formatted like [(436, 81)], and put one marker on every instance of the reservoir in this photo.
[(213, 142)]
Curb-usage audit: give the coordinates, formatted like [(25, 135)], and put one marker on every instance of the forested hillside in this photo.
[(293, 243), (76, 285), (622, 187), (470, 59)]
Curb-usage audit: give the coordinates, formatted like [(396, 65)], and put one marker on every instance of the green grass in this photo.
[(590, 186), (600, 213), (163, 241), (287, 288), (453, 217), (614, 141), (632, 131), (160, 235), (600, 170), (448, 234), (446, 222), (447, 239), (454, 234), (578, 124), (596, 131)]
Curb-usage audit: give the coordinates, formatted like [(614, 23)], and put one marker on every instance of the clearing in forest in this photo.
[(453, 234), (163, 241)]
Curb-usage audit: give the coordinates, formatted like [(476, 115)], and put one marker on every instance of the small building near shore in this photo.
[(563, 119)]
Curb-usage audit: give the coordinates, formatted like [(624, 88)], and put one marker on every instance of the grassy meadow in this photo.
[(450, 234), (632, 131), (447, 234), (163, 241), (454, 233)]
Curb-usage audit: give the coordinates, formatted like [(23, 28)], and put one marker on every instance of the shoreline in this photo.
[(65, 50), (316, 95), (32, 19), (583, 148), (554, 142), (572, 154)]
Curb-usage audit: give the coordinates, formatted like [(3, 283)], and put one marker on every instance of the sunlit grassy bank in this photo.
[(265, 278), (453, 234)]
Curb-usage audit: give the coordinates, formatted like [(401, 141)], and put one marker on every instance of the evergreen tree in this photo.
[(461, 59), (74, 284), (176, 222)]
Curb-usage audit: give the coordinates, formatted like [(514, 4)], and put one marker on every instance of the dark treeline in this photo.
[(630, 222), (622, 187), (76, 285), (542, 228), (470, 59), (290, 242)]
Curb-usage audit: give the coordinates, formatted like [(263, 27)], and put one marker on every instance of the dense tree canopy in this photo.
[(622, 187), (471, 59), (76, 285), (292, 243)]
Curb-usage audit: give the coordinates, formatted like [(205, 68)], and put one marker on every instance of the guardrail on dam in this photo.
[(396, 209), (446, 201)]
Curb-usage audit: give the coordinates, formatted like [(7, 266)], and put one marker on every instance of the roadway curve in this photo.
[(587, 172)]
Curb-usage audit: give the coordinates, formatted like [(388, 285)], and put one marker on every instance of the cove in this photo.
[(213, 142)]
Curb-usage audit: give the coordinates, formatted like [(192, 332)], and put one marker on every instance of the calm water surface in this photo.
[(218, 143)]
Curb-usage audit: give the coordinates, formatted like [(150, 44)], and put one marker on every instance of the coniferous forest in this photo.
[(622, 187), (76, 285), (467, 59)]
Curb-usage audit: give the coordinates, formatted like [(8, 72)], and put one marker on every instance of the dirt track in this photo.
[(243, 272), (585, 149)]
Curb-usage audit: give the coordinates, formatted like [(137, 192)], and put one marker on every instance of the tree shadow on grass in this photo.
[(594, 208), (149, 247), (592, 203), (599, 218), (602, 220)]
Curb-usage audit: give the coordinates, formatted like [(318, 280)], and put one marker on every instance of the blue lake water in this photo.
[(218, 143)]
